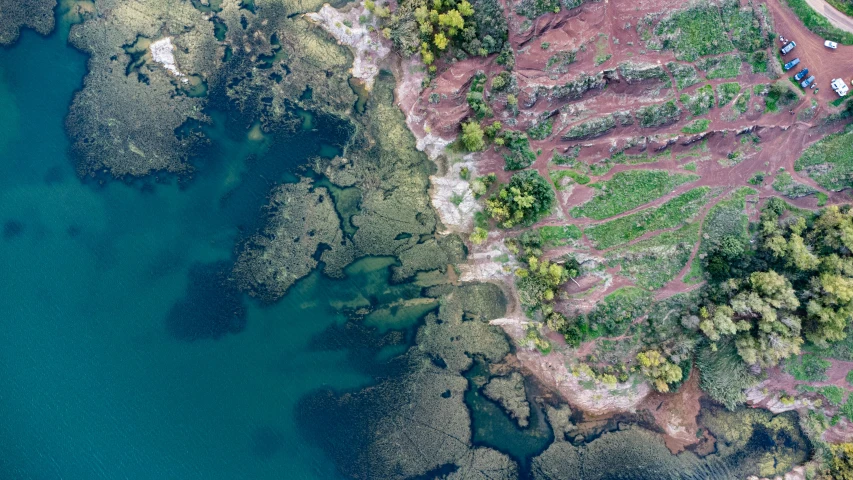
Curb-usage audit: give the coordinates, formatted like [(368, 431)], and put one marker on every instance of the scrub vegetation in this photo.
[(628, 190)]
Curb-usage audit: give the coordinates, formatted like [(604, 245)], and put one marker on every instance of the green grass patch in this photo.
[(671, 214), (829, 162), (614, 314), (726, 66), (658, 115), (785, 184), (759, 61), (741, 105), (696, 126), (559, 178), (558, 236), (744, 26), (684, 75), (726, 92), (541, 130), (833, 393), (822, 198), (818, 24), (808, 368), (694, 32), (690, 166), (757, 178), (653, 262), (700, 102), (628, 190), (570, 158)]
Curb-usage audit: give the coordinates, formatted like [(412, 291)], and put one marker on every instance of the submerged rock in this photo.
[(509, 393), (35, 14)]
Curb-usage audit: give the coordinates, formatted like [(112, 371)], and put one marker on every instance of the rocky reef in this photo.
[(35, 14)]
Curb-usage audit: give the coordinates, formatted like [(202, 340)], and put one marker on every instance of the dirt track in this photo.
[(835, 17)]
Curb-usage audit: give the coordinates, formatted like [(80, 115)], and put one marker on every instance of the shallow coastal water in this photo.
[(93, 381)]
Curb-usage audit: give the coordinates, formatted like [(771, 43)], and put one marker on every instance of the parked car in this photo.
[(787, 48), (830, 44), (802, 74), (793, 63), (805, 83)]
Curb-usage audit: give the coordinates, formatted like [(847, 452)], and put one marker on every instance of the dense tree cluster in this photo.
[(796, 285), (538, 283), (841, 467), (526, 198)]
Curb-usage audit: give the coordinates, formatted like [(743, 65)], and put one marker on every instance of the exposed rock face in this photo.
[(509, 393), (366, 46), (35, 14)]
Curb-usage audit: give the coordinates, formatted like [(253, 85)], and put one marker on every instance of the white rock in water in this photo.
[(161, 50)]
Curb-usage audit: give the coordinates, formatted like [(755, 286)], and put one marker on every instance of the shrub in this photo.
[(472, 137), (629, 189), (658, 115)]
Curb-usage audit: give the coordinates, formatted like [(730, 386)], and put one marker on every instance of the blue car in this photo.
[(807, 82), (802, 74), (793, 63)]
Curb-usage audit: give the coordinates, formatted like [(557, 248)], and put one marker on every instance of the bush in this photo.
[(472, 136), (723, 375), (696, 126), (700, 102), (726, 92), (520, 155), (524, 200), (659, 115)]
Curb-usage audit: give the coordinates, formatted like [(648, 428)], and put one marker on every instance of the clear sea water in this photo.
[(94, 382)]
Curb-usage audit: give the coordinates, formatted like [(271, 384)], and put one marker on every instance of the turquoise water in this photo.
[(98, 378)]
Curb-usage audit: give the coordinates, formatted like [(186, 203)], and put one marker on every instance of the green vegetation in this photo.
[(634, 72), (807, 368), (540, 281), (785, 184), (746, 33), (519, 154), (415, 26), (658, 115), (684, 75), (741, 105), (758, 61), (472, 137), (476, 99), (757, 178), (841, 467), (822, 198), (726, 92), (722, 374), (613, 315), (524, 200), (690, 166), (559, 176), (570, 159), (753, 294), (559, 62), (695, 32), (700, 102), (558, 236), (671, 214), (628, 190), (726, 66), (653, 262), (725, 220), (658, 369), (829, 161), (591, 128), (535, 8), (541, 130), (818, 24), (777, 95), (696, 126)]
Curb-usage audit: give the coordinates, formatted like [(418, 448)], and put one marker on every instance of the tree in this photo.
[(524, 200), (440, 41), (472, 136), (841, 467), (658, 369), (479, 235)]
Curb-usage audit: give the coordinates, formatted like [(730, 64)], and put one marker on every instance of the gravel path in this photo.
[(835, 17)]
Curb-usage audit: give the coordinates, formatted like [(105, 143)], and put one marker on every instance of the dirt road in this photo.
[(835, 17)]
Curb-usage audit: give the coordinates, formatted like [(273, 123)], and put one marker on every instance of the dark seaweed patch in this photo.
[(12, 229), (211, 308)]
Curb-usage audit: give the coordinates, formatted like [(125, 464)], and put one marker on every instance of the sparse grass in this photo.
[(653, 262), (591, 128), (541, 130), (744, 27), (822, 198), (684, 75), (695, 32), (741, 105), (570, 158), (700, 102), (818, 24), (833, 393), (671, 214), (628, 190), (696, 126), (601, 53), (690, 166), (829, 161), (785, 184), (807, 368), (726, 66), (658, 115), (726, 92), (558, 176)]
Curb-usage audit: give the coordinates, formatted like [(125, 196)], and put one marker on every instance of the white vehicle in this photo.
[(839, 86), (830, 44)]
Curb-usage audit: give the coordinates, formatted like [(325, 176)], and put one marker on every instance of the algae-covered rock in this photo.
[(303, 222), (509, 393), (416, 424), (35, 14), (125, 118)]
